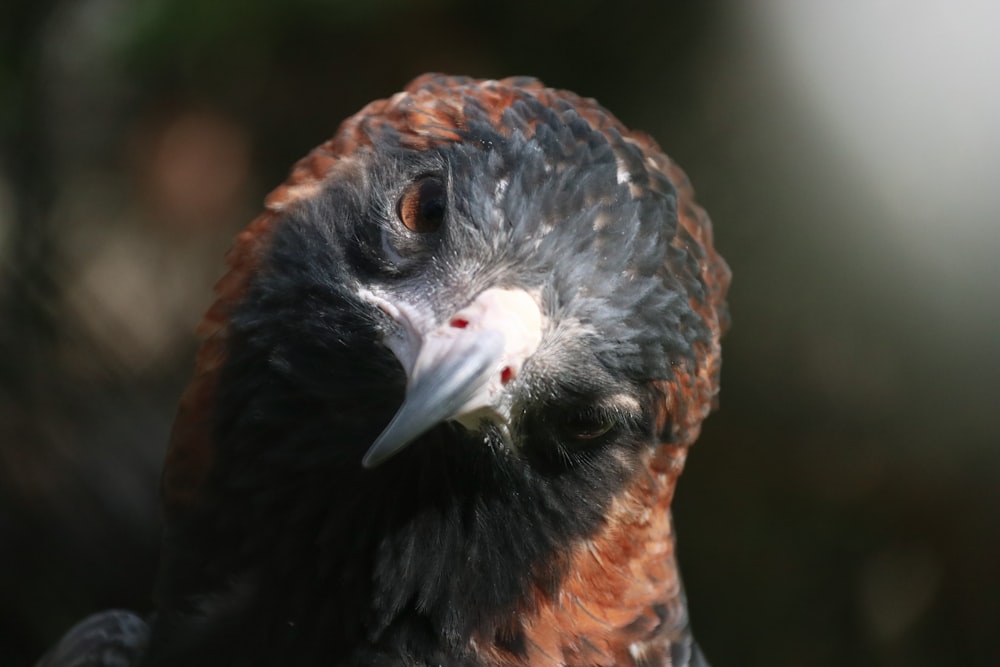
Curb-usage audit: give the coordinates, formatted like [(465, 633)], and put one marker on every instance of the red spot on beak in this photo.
[(506, 375), (459, 323)]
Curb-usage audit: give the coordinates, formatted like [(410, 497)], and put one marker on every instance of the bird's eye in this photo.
[(587, 425), (422, 207)]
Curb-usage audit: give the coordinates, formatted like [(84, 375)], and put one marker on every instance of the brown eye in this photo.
[(588, 425), (422, 207)]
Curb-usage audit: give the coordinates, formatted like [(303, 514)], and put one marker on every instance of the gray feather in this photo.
[(112, 638)]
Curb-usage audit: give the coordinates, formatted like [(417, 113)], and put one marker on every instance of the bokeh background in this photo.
[(841, 508)]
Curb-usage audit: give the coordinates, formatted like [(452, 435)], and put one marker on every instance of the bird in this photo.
[(443, 397)]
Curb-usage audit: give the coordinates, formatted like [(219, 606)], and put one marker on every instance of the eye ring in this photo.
[(422, 207)]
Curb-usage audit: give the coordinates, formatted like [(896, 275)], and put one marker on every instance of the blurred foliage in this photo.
[(841, 507)]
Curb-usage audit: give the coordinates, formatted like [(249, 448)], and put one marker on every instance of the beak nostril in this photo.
[(459, 323), (506, 375)]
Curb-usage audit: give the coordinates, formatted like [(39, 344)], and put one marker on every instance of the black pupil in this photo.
[(431, 206)]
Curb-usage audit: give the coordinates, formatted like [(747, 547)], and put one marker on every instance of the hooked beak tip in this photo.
[(447, 388)]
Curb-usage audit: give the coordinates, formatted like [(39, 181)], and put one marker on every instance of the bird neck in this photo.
[(468, 552), (621, 596)]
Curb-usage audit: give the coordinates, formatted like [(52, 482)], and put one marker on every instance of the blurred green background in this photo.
[(841, 508)]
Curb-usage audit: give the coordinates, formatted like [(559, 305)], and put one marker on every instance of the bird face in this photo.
[(513, 276), (467, 344), (505, 275)]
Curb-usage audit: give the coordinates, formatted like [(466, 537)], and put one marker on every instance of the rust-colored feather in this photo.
[(620, 602)]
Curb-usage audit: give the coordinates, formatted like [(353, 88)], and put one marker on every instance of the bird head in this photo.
[(487, 298)]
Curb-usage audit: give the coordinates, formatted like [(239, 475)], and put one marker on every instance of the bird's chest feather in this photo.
[(619, 601), (433, 583)]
